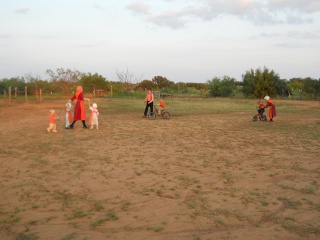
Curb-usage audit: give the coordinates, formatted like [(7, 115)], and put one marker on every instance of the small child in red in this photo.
[(260, 109), (52, 126)]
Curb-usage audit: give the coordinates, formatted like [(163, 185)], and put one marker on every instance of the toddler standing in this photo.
[(68, 115), (94, 116)]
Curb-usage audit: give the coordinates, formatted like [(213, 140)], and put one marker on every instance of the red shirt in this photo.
[(162, 104), (52, 119), (261, 105)]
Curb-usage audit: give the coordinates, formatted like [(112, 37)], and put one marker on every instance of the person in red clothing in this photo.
[(52, 125), (272, 108), (79, 109), (260, 109), (149, 102)]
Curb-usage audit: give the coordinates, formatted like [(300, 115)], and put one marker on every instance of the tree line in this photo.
[(255, 84)]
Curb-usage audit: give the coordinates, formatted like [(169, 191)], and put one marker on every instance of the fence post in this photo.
[(9, 94), (15, 92), (26, 93), (37, 96), (5, 94), (111, 91), (40, 95)]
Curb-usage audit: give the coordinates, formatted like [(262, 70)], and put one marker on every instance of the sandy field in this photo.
[(211, 175)]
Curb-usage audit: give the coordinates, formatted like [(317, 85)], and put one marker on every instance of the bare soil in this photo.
[(203, 176)]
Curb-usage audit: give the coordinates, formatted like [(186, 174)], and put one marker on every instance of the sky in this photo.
[(182, 40)]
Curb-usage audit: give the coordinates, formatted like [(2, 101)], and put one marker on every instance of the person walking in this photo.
[(79, 109), (272, 108)]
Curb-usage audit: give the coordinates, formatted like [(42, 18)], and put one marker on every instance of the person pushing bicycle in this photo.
[(149, 102)]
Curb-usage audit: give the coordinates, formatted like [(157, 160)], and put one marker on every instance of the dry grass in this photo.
[(207, 173)]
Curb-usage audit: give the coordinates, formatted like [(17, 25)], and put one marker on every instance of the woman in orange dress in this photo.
[(79, 109), (272, 108)]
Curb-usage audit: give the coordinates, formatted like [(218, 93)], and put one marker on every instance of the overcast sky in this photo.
[(182, 40)]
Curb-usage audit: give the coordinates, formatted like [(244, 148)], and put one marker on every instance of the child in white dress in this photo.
[(94, 116)]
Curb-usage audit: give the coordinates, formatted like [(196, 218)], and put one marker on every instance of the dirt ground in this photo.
[(204, 176)]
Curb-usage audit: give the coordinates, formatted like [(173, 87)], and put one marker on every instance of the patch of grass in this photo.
[(146, 191), (26, 236), (294, 204), (301, 229), (219, 220), (272, 174), (197, 238), (41, 161), (35, 206), (307, 190), (265, 203), (308, 201), (98, 206), (282, 198), (255, 193), (227, 176), (77, 214), (157, 229), (69, 236), (289, 218), (110, 216), (287, 187), (186, 181), (125, 206)]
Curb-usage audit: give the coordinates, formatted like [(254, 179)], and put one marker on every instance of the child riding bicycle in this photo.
[(260, 109), (162, 107)]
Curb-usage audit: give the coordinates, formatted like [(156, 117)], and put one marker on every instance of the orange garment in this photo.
[(69, 117), (261, 105), (52, 118), (93, 111), (162, 104), (272, 109)]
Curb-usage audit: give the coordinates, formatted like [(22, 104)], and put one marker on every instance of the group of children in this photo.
[(149, 104), (261, 107), (93, 121)]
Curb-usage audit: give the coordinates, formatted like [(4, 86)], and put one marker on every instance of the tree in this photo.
[(295, 86), (311, 88), (162, 82), (145, 84), (127, 80), (93, 82), (64, 79), (260, 83), (35, 83), (17, 82), (282, 88), (222, 87)]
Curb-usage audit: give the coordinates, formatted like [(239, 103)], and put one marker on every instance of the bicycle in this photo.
[(153, 115), (259, 116)]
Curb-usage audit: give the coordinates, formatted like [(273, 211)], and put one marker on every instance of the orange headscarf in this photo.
[(79, 90)]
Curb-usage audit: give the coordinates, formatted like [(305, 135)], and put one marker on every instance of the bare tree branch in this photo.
[(127, 80)]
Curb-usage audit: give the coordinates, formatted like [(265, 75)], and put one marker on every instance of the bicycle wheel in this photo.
[(152, 115), (255, 118), (264, 118), (166, 115)]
